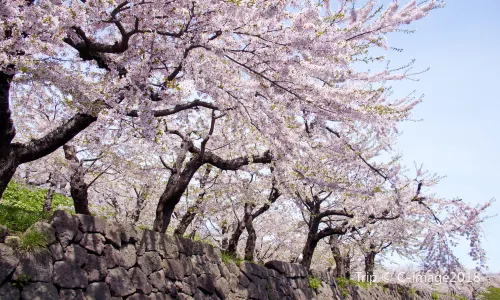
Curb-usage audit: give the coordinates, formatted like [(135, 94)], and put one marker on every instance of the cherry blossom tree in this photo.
[(266, 61), (174, 91)]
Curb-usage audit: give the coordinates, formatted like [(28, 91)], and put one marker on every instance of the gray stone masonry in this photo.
[(90, 258)]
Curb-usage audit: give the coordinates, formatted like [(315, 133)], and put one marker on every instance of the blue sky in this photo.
[(459, 135)]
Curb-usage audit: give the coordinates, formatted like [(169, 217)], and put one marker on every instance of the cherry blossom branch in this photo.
[(177, 108), (379, 172)]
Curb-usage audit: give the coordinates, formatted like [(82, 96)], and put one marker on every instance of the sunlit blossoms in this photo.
[(247, 123)]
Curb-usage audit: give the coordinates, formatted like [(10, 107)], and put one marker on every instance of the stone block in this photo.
[(113, 234), (38, 266), (9, 292), (149, 262), (8, 262), (119, 282), (98, 291), (93, 242), (39, 291), (65, 225), (69, 275), (96, 268), (140, 280), (90, 224)]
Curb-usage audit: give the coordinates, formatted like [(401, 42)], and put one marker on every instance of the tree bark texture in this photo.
[(78, 187), (192, 211)]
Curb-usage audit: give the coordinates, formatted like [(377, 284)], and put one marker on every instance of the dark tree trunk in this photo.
[(250, 216), (308, 251), (225, 241), (49, 196), (8, 166), (79, 193), (311, 242), (192, 211), (78, 187), (141, 196), (232, 246), (238, 231), (340, 263), (176, 186), (186, 220), (316, 216), (8, 158), (251, 239), (370, 265), (347, 265)]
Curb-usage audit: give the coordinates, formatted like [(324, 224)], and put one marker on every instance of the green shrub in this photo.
[(493, 293), (314, 282)]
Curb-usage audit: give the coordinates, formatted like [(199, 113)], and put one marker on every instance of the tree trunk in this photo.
[(308, 251), (176, 186), (232, 246), (347, 265), (8, 159), (185, 221), (311, 242), (340, 264), (8, 166), (179, 181), (78, 187), (49, 196), (80, 199), (251, 239), (235, 237), (192, 211), (141, 196), (224, 229), (369, 265)]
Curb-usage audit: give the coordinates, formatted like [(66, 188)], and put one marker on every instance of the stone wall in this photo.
[(90, 258)]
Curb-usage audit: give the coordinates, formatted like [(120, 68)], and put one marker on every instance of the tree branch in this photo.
[(177, 108), (38, 148)]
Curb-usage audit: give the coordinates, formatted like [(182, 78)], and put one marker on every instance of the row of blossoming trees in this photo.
[(248, 123)]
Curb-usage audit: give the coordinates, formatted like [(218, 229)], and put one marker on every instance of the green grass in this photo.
[(32, 241), (19, 196), (435, 296), (314, 283), (198, 238), (342, 282), (493, 293), (21, 207), (18, 219), (226, 258)]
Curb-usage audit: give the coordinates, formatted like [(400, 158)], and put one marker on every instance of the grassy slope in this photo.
[(492, 294), (22, 206)]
